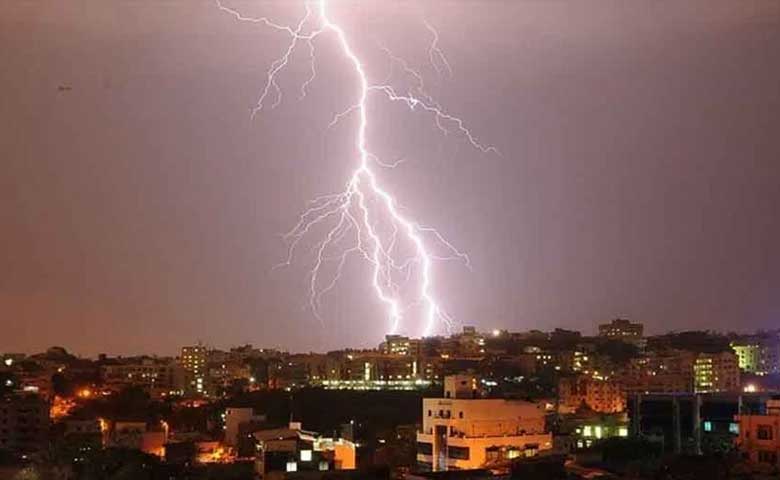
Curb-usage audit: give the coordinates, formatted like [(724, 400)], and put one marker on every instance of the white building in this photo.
[(465, 431)]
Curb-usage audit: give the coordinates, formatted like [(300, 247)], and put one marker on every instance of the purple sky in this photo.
[(141, 210)]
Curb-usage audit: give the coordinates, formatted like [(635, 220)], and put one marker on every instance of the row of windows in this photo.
[(445, 414)]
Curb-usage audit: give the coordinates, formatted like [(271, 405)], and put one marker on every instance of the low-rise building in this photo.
[(159, 377), (400, 345), (235, 418), (598, 394), (293, 449), (759, 435), (583, 430), (463, 430), (623, 330), (139, 436)]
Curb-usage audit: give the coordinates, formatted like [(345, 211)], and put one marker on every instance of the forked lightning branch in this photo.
[(364, 219)]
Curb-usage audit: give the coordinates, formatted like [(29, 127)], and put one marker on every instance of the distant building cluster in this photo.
[(491, 399)]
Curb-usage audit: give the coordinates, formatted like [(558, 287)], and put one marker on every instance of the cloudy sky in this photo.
[(141, 207)]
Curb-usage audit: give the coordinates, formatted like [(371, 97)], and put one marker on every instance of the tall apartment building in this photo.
[(24, 424), (716, 372), (465, 431), (760, 356), (194, 361)]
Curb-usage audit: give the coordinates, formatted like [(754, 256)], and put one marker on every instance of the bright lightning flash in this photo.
[(365, 213)]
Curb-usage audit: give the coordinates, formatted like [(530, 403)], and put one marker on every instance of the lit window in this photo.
[(707, 426), (292, 467), (306, 455)]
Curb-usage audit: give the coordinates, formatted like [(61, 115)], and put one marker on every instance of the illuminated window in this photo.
[(734, 428), (292, 467), (707, 426), (587, 431), (306, 455)]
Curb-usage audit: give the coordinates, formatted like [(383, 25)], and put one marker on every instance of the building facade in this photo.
[(159, 377), (623, 330), (24, 424), (759, 435), (716, 372), (760, 356), (599, 395), (194, 360), (465, 431)]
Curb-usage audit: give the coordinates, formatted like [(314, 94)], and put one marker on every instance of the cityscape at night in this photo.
[(381, 240), (499, 404)]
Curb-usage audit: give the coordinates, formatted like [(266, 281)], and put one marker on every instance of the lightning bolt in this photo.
[(364, 219)]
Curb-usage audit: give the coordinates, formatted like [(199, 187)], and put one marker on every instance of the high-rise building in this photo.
[(193, 360), (465, 431), (716, 372), (757, 355)]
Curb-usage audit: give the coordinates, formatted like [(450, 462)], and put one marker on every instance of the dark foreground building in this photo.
[(24, 424)]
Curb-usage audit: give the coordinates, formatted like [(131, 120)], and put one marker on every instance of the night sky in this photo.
[(141, 208)]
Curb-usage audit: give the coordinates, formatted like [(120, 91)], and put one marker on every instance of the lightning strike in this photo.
[(364, 219)]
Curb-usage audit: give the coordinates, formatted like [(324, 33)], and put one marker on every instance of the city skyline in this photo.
[(637, 178), (601, 331)]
